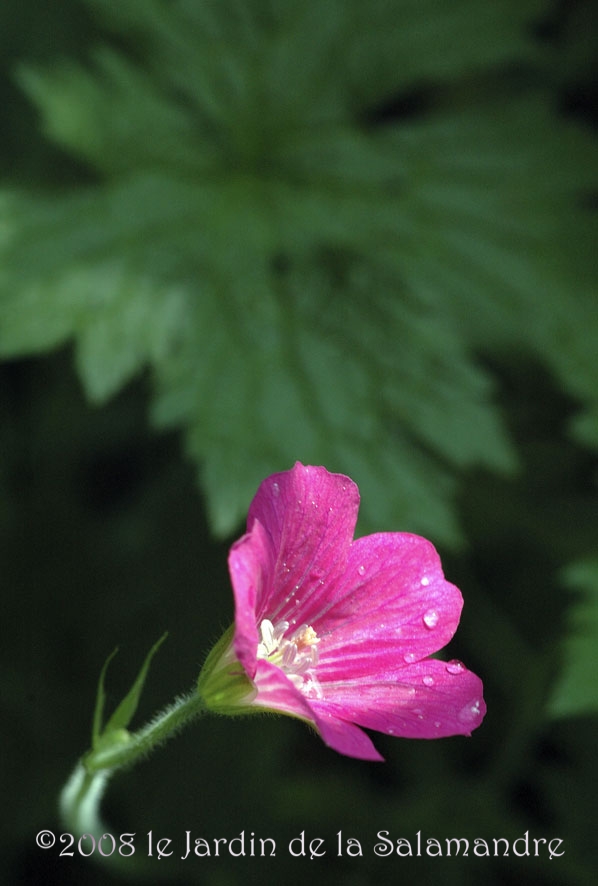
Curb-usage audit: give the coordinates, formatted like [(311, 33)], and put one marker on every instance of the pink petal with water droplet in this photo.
[(377, 607)]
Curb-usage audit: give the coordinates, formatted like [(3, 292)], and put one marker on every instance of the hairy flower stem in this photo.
[(82, 795)]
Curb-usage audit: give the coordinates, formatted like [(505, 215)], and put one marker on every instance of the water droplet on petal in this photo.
[(428, 681), (410, 657), (455, 666), (470, 712), (425, 581), (361, 570), (275, 490), (437, 724), (431, 618)]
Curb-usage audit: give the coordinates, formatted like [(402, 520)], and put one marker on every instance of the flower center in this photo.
[(295, 655)]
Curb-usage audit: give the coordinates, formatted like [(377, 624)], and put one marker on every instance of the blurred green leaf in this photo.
[(576, 691), (300, 283)]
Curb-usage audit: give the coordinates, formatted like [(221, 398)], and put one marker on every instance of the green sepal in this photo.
[(125, 711), (115, 727), (98, 714), (223, 684)]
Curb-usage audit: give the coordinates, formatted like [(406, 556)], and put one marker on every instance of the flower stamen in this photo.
[(295, 655)]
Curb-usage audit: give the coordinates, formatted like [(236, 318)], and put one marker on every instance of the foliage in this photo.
[(575, 690), (303, 277)]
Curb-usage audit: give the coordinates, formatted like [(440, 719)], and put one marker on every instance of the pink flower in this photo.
[(338, 631)]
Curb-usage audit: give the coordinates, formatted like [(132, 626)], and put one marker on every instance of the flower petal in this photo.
[(345, 737), (248, 567), (346, 627), (429, 699), (275, 692), (393, 606), (309, 517)]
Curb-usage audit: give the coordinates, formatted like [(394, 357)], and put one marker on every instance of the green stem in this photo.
[(82, 795), (80, 801)]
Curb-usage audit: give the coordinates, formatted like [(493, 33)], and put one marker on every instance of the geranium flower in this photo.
[(337, 631)]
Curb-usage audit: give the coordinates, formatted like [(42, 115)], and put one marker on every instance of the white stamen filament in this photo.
[(295, 655)]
